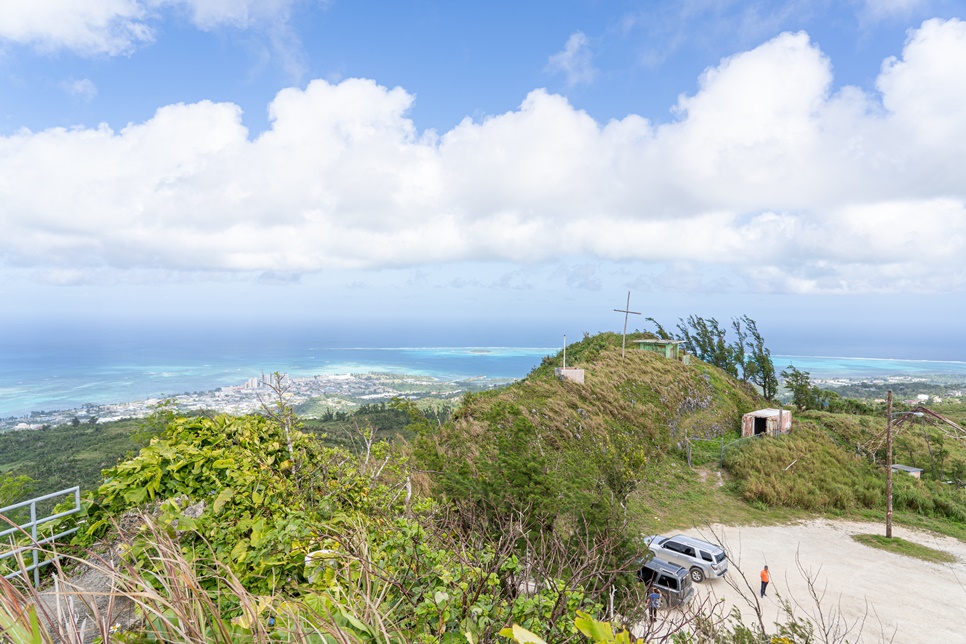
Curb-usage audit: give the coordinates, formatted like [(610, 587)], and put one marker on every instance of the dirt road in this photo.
[(870, 594)]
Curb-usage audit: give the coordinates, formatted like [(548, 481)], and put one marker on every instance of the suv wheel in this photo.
[(697, 575)]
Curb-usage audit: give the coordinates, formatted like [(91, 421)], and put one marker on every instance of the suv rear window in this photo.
[(668, 582), (705, 556), (721, 557)]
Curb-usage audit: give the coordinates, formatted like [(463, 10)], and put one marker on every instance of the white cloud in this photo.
[(209, 14), (880, 9), (89, 27), (84, 88), (766, 173), (114, 27), (575, 61)]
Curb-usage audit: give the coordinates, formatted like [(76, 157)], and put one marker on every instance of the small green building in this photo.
[(670, 349)]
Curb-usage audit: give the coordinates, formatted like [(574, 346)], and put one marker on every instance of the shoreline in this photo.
[(826, 372), (338, 390)]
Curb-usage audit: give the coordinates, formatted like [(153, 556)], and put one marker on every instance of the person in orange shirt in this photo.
[(765, 578)]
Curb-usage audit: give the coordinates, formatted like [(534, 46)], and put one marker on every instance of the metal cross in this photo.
[(627, 312)]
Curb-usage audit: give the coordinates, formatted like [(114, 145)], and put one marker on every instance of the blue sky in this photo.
[(510, 169)]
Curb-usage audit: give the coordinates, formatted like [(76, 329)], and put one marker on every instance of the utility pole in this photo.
[(627, 312), (889, 469)]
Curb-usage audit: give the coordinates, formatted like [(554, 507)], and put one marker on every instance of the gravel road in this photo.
[(868, 595)]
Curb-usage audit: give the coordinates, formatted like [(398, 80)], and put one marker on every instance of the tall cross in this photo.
[(627, 313)]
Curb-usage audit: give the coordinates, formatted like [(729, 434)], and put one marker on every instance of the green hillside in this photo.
[(833, 463), (559, 450)]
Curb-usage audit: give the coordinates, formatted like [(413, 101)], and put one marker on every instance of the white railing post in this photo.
[(33, 535)]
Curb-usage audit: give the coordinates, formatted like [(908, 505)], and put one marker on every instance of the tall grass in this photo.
[(807, 469), (166, 601), (804, 469)]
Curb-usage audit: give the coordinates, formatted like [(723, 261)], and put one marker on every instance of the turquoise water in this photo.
[(55, 371), (70, 377), (869, 368)]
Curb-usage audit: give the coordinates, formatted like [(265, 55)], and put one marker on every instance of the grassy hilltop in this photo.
[(433, 534), (558, 449)]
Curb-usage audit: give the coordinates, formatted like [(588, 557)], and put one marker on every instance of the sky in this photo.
[(485, 173)]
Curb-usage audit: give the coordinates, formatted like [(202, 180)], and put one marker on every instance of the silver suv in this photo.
[(702, 559)]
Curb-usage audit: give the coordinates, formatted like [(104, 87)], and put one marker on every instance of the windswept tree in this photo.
[(759, 367), (662, 333), (746, 357), (707, 340), (799, 383)]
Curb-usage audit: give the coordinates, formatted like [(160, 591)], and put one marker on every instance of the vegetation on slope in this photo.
[(60, 457), (566, 454), (258, 497), (826, 464), (804, 469)]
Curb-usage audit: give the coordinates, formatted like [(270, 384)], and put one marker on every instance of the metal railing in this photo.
[(35, 545)]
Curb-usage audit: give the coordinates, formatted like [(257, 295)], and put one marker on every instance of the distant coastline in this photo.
[(836, 367), (54, 387), (332, 391), (71, 380), (938, 362)]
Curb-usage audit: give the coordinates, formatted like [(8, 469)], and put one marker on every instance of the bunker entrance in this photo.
[(761, 426)]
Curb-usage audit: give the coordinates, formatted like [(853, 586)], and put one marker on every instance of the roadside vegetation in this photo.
[(905, 548)]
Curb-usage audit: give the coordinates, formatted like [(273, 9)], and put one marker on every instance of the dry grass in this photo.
[(673, 496), (655, 400), (168, 600)]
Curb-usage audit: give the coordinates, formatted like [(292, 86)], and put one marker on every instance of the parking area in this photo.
[(866, 594)]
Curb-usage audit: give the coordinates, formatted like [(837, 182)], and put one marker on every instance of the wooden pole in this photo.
[(889, 469), (624, 336), (627, 313)]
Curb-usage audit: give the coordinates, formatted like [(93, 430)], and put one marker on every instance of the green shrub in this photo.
[(804, 469)]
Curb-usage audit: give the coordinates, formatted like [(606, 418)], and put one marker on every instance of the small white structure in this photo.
[(573, 374), (766, 421), (911, 471)]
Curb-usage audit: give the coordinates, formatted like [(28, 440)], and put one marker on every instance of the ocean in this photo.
[(44, 372)]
